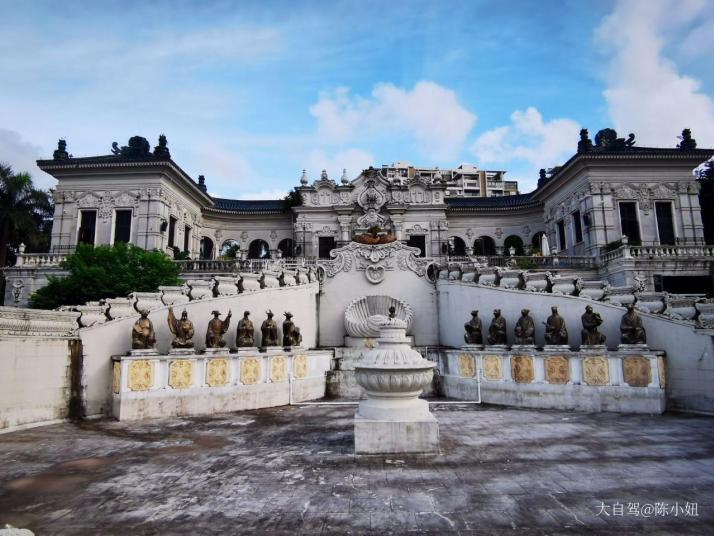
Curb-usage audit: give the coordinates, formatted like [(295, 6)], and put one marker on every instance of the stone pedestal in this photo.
[(215, 351), (182, 351), (144, 352), (393, 419)]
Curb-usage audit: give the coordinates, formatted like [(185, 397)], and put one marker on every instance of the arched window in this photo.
[(258, 249), (484, 246), (230, 249), (515, 242), (206, 250), (458, 246), (286, 247), (536, 242)]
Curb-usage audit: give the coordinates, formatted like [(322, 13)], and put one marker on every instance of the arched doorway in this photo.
[(458, 246), (536, 242), (258, 249), (230, 249), (484, 246), (286, 247), (515, 242), (206, 249)]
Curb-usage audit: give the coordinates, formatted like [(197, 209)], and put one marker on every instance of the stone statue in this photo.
[(182, 330), (590, 334), (555, 330), (162, 150), (497, 329), (688, 143), (632, 331), (142, 334), (216, 329), (61, 151), (291, 333), (525, 329), (584, 145), (269, 331), (473, 333), (245, 338)]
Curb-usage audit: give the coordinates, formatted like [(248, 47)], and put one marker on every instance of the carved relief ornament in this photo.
[(375, 260)]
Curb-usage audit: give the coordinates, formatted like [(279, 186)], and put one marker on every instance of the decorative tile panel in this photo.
[(141, 375), (522, 368), (217, 373), (637, 371), (116, 378), (278, 369), (467, 366), (557, 369), (492, 368), (181, 374), (300, 366), (250, 370), (596, 371)]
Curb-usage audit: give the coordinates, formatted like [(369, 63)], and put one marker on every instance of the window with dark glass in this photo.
[(561, 235), (122, 226), (325, 245), (629, 223), (186, 237), (418, 241), (172, 231), (578, 226), (87, 226), (665, 222)]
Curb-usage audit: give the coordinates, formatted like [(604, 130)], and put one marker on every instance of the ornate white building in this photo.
[(608, 189)]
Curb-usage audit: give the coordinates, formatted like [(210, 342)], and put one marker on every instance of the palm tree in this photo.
[(23, 210)]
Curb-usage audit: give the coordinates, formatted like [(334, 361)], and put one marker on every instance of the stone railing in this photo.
[(39, 259), (532, 262), (36, 323), (658, 253)]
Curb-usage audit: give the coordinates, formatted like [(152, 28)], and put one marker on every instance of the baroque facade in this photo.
[(631, 213)]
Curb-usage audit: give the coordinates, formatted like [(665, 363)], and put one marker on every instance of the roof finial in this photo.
[(61, 151), (202, 183), (344, 178), (323, 175), (303, 178)]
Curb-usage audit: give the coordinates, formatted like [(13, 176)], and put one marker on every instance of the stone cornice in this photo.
[(36, 323)]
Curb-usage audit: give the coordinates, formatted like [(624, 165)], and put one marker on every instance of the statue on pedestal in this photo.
[(245, 338), (269, 331), (216, 329), (497, 329), (291, 333), (182, 330), (555, 330), (632, 331), (142, 334), (525, 329), (590, 334), (473, 333)]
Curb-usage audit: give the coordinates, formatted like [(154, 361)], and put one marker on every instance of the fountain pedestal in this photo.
[(393, 419)]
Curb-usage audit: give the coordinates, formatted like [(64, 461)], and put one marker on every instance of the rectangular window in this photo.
[(122, 226), (578, 226), (418, 241), (186, 238), (629, 223), (561, 235), (665, 222), (87, 226), (172, 231), (325, 245)]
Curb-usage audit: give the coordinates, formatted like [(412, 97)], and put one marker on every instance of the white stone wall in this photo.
[(34, 380), (100, 342), (689, 354)]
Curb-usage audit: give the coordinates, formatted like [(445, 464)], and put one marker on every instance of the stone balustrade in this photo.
[(594, 290), (630, 379), (40, 259), (120, 307), (147, 385), (536, 281), (249, 282), (681, 307), (642, 253), (174, 295), (200, 289)]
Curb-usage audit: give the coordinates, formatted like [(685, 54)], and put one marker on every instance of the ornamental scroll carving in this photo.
[(643, 194), (375, 260)]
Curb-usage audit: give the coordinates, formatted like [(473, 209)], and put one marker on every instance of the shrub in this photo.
[(106, 272)]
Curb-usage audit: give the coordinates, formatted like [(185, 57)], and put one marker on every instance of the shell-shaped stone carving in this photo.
[(358, 312)]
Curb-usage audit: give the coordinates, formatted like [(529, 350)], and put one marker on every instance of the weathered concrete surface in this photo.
[(291, 471)]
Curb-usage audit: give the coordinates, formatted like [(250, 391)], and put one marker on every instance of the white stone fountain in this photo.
[(393, 419)]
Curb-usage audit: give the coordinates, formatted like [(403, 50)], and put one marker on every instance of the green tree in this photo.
[(106, 272), (24, 212)]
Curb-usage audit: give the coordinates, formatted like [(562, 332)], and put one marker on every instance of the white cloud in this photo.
[(353, 160), (646, 94), (429, 114), (538, 143), (22, 156)]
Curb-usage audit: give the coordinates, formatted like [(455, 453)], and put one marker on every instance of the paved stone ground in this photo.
[(291, 471)]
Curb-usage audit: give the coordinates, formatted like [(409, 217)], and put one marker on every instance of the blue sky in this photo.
[(249, 93)]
